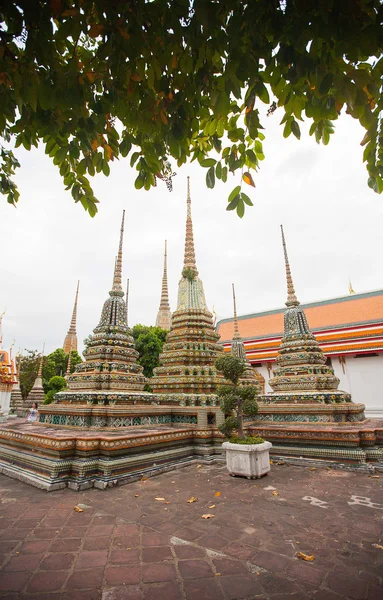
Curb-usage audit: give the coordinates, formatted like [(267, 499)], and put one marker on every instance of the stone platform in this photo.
[(53, 457), (126, 545)]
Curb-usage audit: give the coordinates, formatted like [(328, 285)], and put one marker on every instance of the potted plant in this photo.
[(247, 456)]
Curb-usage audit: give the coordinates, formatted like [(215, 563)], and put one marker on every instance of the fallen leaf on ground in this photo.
[(307, 557), (212, 506), (78, 509), (199, 466), (161, 499), (217, 494), (281, 462), (137, 495), (192, 499), (218, 574), (208, 516), (313, 469), (128, 548), (374, 476), (167, 502), (297, 542), (275, 493), (378, 546), (144, 479)]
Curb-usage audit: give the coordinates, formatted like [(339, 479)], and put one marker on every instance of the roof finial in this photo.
[(350, 288), (118, 265), (40, 371), (189, 260), (127, 301), (236, 335), (72, 328), (164, 316), (291, 297), (69, 363)]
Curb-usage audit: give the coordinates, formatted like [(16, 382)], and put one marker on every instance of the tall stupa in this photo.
[(37, 392), (70, 342), (110, 358), (164, 316), (188, 356), (251, 376)]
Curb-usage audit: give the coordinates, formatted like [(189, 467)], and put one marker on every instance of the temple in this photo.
[(164, 316), (36, 394), (188, 356), (70, 342), (16, 395)]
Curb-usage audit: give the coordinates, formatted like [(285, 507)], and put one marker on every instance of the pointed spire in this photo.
[(69, 363), (40, 371), (291, 297), (71, 337), (189, 260), (164, 316), (236, 335), (127, 301), (350, 288), (117, 278)]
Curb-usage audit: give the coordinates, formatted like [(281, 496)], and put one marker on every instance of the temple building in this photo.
[(7, 378), (164, 316), (188, 356), (16, 395), (348, 329), (70, 342), (37, 392)]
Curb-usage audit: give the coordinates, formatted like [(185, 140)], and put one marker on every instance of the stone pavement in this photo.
[(144, 541)]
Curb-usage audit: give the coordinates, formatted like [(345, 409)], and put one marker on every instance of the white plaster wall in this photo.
[(265, 373), (364, 377), (5, 399)]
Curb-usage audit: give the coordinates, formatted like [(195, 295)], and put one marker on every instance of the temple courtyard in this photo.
[(151, 539)]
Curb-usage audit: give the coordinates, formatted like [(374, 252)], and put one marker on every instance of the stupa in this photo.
[(187, 371), (37, 392), (251, 376), (110, 369), (164, 316), (16, 395), (70, 342)]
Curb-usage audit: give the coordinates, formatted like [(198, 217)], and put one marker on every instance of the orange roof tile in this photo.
[(328, 314)]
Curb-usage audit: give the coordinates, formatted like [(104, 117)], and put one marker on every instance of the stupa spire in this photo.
[(127, 301), (71, 337), (69, 363), (291, 297), (40, 371), (236, 335), (164, 316), (117, 277), (189, 259)]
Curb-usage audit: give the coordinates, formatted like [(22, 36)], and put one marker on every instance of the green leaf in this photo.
[(207, 162), (246, 199), (241, 208), (210, 178), (326, 84), (234, 202), (295, 129), (234, 193), (139, 182)]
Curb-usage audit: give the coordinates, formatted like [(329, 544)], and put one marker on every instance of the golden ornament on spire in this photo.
[(350, 288), (117, 278), (291, 297), (236, 335), (190, 267)]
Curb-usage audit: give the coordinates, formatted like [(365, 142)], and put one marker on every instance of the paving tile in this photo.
[(240, 586), (23, 562), (186, 551), (156, 553), (57, 561), (225, 566), (156, 572), (13, 582), (171, 590), (85, 578), (155, 539), (66, 545), (126, 592), (195, 569), (115, 576), (35, 547), (91, 558), (123, 556), (50, 581), (100, 530), (203, 589), (95, 594), (350, 587)]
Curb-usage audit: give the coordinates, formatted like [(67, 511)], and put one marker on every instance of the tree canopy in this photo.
[(149, 342), (55, 364), (168, 81)]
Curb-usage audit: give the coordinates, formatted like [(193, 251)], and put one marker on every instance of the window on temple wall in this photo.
[(211, 419), (366, 355)]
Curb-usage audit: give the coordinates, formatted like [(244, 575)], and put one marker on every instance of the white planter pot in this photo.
[(247, 460)]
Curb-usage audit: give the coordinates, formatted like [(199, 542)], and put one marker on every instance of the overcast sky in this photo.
[(332, 222)]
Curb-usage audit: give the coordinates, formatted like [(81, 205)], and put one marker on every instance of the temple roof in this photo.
[(348, 323)]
